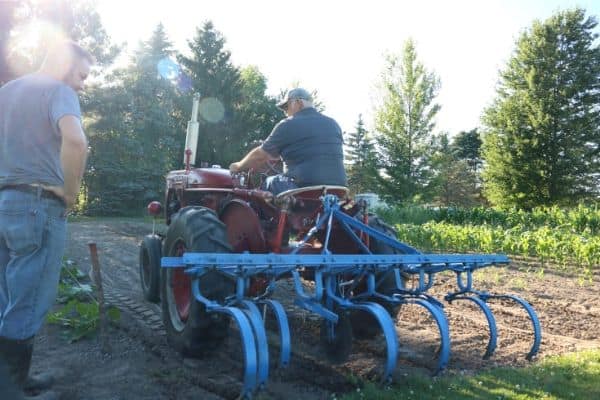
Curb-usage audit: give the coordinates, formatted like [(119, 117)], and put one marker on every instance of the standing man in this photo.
[(310, 144), (43, 152)]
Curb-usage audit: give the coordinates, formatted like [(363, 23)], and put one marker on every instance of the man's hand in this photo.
[(60, 192), (254, 159), (234, 167), (69, 201)]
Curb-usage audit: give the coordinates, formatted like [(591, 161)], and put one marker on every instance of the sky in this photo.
[(338, 47)]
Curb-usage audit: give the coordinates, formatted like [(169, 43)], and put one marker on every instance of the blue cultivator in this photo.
[(366, 284)]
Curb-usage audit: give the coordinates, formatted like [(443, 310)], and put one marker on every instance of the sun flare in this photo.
[(26, 46)]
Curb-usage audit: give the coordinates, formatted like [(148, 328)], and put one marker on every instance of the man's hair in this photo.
[(80, 52), (306, 103), (67, 51)]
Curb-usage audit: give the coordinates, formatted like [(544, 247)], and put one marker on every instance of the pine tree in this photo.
[(404, 123), (541, 144), (218, 81), (454, 182), (467, 146), (361, 160), (138, 132)]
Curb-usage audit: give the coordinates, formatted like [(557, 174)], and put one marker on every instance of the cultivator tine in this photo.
[(491, 346), (438, 315), (249, 348), (285, 348), (480, 298), (537, 328), (248, 339), (389, 333), (262, 346)]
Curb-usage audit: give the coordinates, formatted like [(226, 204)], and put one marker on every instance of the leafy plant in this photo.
[(79, 315), (80, 319)]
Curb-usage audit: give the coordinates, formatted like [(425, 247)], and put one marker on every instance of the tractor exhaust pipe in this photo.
[(191, 138)]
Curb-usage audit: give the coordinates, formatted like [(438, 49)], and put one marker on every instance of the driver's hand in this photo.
[(234, 167)]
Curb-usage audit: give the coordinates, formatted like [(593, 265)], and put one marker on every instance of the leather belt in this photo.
[(28, 188)]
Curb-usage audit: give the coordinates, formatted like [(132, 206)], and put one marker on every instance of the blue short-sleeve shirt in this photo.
[(311, 146), (30, 140)]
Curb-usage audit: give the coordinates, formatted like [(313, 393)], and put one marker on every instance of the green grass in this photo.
[(572, 376)]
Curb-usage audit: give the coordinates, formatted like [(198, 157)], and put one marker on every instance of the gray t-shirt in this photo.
[(30, 140), (311, 146)]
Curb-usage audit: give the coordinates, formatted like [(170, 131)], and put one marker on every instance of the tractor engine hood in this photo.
[(202, 178)]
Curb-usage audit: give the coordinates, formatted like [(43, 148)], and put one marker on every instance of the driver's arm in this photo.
[(254, 159)]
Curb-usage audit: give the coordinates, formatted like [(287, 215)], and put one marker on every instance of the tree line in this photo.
[(538, 143)]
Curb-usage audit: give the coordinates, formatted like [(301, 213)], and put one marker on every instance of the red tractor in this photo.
[(208, 210)]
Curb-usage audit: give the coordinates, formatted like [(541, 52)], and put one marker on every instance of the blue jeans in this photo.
[(32, 242), (279, 183)]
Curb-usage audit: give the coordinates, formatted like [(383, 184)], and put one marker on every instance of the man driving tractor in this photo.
[(310, 144)]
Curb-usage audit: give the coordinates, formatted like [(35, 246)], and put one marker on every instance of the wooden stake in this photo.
[(97, 278)]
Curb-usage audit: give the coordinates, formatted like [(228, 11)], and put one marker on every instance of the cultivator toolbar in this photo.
[(336, 294)]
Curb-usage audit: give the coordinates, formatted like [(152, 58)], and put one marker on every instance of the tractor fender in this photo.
[(244, 230)]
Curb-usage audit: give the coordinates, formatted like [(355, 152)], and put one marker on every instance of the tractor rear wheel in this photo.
[(190, 329), (364, 325), (150, 253)]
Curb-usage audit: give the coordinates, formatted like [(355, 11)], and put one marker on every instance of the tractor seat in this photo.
[(314, 192)]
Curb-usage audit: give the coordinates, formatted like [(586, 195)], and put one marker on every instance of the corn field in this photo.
[(566, 237)]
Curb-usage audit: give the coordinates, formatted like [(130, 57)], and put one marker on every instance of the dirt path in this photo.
[(142, 366)]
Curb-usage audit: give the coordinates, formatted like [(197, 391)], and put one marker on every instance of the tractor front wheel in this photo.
[(191, 330), (150, 250)]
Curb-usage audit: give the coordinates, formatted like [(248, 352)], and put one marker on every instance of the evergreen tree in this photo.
[(361, 160), (454, 182), (138, 132), (219, 84), (404, 123), (542, 136), (467, 146)]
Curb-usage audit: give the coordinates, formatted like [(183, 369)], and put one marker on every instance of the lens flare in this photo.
[(28, 44), (168, 69), (211, 110)]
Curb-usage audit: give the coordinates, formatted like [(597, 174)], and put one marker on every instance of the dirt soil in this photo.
[(140, 364)]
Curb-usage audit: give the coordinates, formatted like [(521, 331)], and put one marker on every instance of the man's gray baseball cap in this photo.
[(294, 94)]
